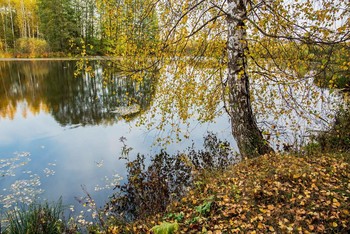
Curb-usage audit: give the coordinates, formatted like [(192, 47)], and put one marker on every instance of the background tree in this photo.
[(26, 18), (127, 26), (88, 21), (20, 24), (7, 20), (98, 26), (58, 23)]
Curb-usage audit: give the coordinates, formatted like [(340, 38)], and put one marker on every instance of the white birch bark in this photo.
[(244, 127)]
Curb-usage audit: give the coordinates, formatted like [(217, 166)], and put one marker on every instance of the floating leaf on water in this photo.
[(21, 191), (109, 182), (48, 172), (99, 164)]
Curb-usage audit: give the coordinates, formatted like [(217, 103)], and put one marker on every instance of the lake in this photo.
[(60, 126), (60, 130)]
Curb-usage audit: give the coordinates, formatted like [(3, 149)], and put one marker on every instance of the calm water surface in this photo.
[(59, 131)]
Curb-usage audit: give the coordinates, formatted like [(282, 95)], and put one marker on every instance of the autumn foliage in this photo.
[(270, 194)]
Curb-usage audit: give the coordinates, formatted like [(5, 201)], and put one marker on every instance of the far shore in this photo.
[(60, 58)]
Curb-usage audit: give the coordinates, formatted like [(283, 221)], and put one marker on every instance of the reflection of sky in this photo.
[(75, 153)]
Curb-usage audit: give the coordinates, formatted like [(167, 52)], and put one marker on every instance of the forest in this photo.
[(60, 27)]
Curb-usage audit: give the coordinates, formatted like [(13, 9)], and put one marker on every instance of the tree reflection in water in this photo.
[(101, 96)]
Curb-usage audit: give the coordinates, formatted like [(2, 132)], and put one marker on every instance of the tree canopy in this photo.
[(258, 57)]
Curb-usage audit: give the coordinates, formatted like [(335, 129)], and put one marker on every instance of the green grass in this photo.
[(35, 218)]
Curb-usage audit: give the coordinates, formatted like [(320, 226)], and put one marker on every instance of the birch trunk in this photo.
[(249, 138), (3, 19), (12, 24)]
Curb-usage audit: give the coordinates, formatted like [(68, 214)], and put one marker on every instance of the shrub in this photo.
[(31, 46), (338, 137), (149, 190), (216, 155)]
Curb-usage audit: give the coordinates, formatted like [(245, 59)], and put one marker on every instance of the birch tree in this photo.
[(7, 22), (268, 40), (26, 17)]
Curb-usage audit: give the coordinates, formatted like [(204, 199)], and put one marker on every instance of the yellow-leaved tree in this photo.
[(217, 50), (250, 55), (127, 26)]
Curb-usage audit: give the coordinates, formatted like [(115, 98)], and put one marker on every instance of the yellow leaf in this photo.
[(334, 224), (280, 223), (271, 229), (262, 210), (311, 227), (335, 203)]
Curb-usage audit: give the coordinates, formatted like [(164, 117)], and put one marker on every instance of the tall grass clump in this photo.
[(35, 218)]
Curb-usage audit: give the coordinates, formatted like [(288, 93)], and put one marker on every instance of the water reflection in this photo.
[(100, 97), (42, 104), (72, 125)]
